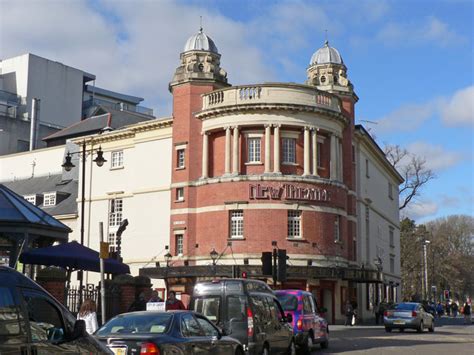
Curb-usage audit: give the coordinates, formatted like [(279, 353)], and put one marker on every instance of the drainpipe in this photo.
[(35, 107)]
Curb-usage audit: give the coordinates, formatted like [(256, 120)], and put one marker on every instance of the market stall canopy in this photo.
[(72, 256)]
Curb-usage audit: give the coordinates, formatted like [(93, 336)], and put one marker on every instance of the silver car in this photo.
[(408, 315)]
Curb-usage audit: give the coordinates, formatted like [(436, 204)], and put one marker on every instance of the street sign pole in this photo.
[(102, 285)]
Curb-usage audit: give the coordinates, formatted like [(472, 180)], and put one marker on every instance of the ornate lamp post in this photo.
[(168, 257), (68, 165), (214, 255)]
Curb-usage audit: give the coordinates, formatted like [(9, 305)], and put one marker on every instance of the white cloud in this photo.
[(420, 209), (130, 48), (429, 29), (459, 109), (437, 157)]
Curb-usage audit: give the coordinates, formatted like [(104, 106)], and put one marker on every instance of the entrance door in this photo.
[(327, 303)]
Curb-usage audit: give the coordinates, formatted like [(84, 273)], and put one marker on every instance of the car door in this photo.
[(218, 344), (13, 334), (195, 343), (315, 325), (279, 336)]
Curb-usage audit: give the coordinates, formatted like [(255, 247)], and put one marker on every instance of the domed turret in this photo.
[(200, 42), (325, 55), (200, 62), (327, 71)]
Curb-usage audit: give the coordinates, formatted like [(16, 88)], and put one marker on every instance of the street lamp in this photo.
[(214, 255), (425, 242), (68, 165), (168, 257)]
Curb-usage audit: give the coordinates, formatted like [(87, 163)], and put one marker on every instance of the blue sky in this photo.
[(411, 62)]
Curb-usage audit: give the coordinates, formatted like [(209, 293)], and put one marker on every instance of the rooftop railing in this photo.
[(121, 106), (288, 94)]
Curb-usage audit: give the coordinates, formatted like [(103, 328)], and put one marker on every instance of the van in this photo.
[(247, 310), (33, 322)]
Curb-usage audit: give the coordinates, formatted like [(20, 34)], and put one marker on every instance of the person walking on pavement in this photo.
[(172, 303), (467, 313), (454, 308), (349, 312), (88, 314), (376, 313), (439, 309)]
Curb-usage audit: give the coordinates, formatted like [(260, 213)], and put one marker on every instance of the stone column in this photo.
[(276, 149), (268, 132), (307, 161), (333, 163), (235, 152), (227, 150), (205, 155), (314, 144)]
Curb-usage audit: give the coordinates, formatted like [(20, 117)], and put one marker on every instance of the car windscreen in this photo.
[(208, 306), (288, 302), (405, 307), (135, 323)]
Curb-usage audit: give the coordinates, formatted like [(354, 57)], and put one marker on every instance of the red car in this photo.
[(308, 326)]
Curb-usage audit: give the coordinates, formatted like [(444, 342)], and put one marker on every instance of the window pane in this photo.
[(10, 314), (45, 319), (180, 158), (208, 306), (294, 224), (190, 327), (236, 308), (137, 323), (117, 159), (207, 327), (237, 223), (253, 150), (289, 150), (179, 244), (288, 302)]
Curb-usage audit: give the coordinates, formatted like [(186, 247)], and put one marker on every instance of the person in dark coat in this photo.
[(349, 312), (172, 303), (139, 304), (467, 313)]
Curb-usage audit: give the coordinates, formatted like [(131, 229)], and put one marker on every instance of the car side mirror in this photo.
[(289, 318), (79, 329)]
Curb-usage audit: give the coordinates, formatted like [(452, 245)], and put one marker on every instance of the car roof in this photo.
[(12, 277), (293, 292)]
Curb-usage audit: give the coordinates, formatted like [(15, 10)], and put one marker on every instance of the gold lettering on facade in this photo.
[(288, 192)]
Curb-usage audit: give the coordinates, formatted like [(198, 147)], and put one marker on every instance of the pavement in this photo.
[(451, 336)]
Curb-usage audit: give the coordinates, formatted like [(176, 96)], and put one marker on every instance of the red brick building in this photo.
[(258, 164)]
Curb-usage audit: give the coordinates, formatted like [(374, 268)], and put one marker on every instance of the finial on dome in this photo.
[(200, 24)]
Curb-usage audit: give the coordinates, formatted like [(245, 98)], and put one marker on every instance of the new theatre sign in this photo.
[(288, 192)]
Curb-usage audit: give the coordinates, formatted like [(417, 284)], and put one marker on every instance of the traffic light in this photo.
[(244, 274), (267, 263), (282, 258)]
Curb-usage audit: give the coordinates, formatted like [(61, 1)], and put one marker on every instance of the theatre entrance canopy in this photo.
[(24, 225)]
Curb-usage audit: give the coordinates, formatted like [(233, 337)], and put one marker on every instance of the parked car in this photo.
[(308, 326), (409, 315), (172, 332), (249, 311), (32, 321)]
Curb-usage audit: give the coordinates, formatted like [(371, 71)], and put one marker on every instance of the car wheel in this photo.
[(431, 329), (388, 330), (308, 344), (420, 328), (292, 348), (265, 350)]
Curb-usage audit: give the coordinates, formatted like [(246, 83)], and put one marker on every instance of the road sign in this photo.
[(104, 250)]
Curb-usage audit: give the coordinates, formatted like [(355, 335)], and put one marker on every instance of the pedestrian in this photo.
[(439, 309), (172, 303), (349, 312), (454, 308), (139, 304), (467, 313), (382, 309), (88, 314), (448, 308), (376, 313), (154, 297)]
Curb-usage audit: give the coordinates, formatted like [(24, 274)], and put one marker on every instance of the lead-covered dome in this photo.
[(200, 42), (325, 55)]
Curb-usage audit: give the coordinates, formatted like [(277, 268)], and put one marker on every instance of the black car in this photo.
[(33, 322), (249, 311), (172, 332)]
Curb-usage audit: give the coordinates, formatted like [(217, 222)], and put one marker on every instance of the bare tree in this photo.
[(413, 169)]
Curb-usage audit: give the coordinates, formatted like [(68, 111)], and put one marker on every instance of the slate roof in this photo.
[(112, 118), (15, 210), (65, 200)]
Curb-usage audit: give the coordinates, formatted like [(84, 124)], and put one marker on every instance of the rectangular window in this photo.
[(289, 150), (353, 154), (30, 199), (115, 212), (367, 168), (337, 229), (254, 150), (180, 158), (180, 194), (392, 264), (237, 224), (112, 240), (117, 159), (49, 199), (179, 244), (390, 191), (390, 235), (294, 224)]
